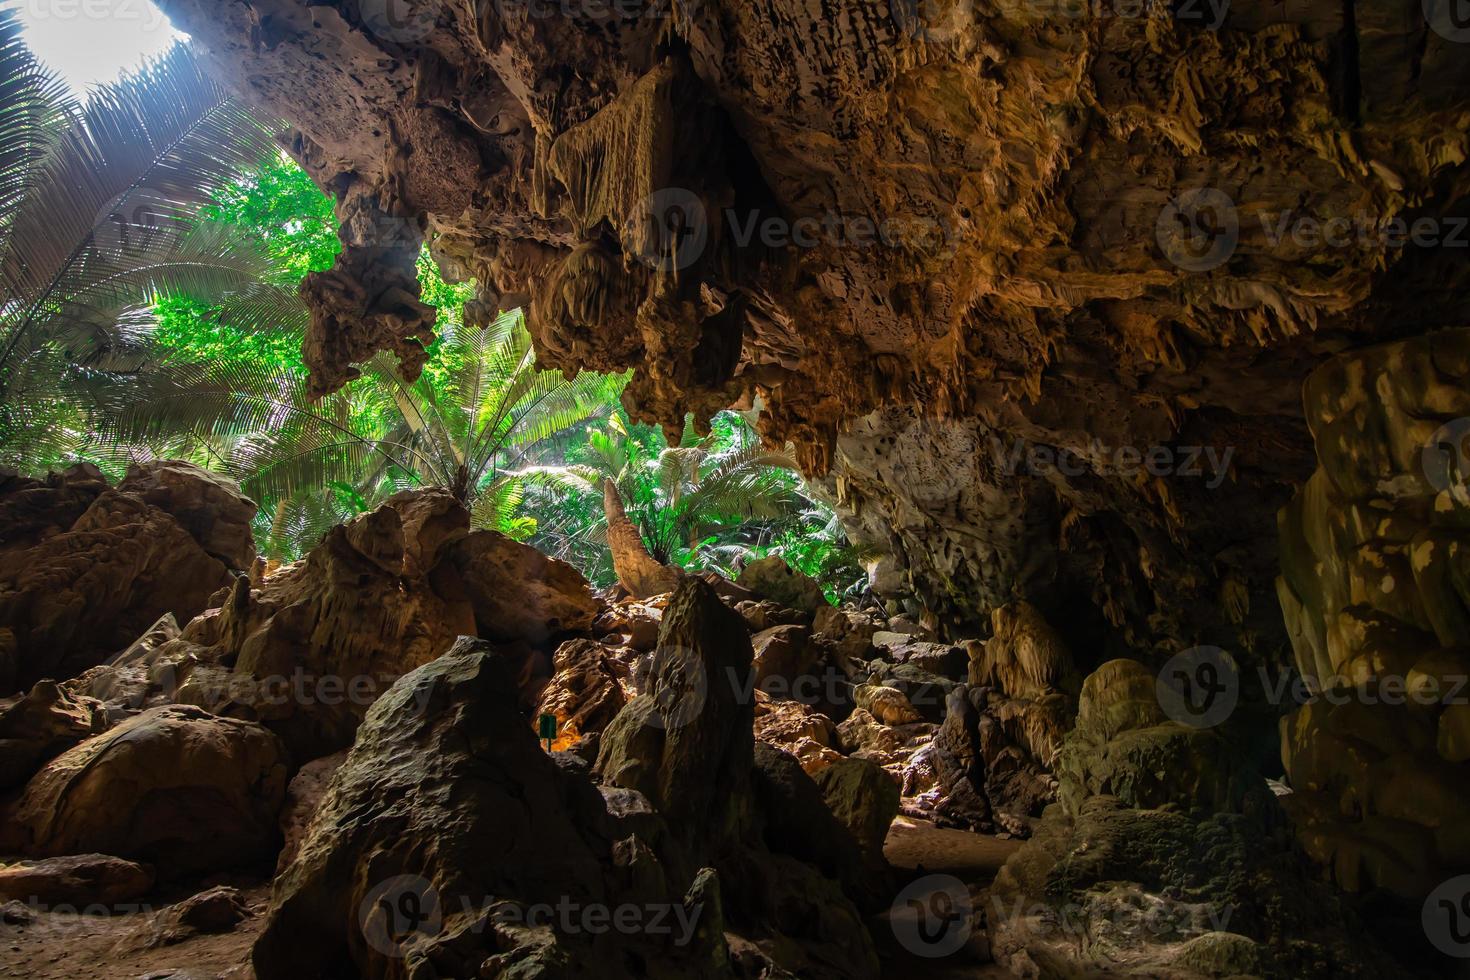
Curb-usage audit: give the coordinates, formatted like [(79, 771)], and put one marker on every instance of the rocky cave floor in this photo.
[(333, 769), (73, 945)]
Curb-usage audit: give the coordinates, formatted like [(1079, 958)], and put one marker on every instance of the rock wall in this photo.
[(1375, 586), (897, 229), (86, 569)]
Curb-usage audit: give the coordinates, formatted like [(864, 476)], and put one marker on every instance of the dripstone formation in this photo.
[(925, 240)]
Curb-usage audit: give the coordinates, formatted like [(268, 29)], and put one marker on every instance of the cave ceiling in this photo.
[(922, 238)]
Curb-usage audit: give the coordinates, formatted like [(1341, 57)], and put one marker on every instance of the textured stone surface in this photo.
[(309, 650), (177, 787), (520, 594), (1003, 260), (77, 880), (1111, 889), (77, 588), (447, 795), (1125, 747), (586, 691), (1374, 587), (638, 573), (865, 798), (303, 797), (41, 724)]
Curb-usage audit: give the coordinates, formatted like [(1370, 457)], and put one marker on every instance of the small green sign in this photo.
[(546, 726)]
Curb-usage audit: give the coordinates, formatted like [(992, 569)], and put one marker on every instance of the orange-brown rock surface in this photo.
[(319, 641), (923, 238), (86, 569)]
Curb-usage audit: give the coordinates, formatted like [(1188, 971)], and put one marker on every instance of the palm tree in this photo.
[(96, 220), (701, 503), (472, 424)]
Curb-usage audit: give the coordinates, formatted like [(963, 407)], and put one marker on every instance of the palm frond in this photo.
[(118, 190)]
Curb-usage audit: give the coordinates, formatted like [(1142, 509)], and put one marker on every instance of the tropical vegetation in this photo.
[(151, 244)]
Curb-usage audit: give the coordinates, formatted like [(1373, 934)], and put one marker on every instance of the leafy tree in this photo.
[(481, 412), (151, 242), (703, 503), (97, 209)]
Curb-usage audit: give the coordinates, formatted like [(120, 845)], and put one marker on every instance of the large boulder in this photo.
[(207, 505), (782, 655), (520, 594), (165, 540), (76, 880), (686, 744), (177, 787), (447, 829), (771, 578), (1124, 746), (737, 804), (308, 651), (1113, 890), (865, 799)]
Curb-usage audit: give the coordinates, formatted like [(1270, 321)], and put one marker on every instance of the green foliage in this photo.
[(97, 217), (465, 427), (151, 246), (709, 503), (287, 213)]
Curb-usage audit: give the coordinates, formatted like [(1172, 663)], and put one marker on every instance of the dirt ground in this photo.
[(72, 945)]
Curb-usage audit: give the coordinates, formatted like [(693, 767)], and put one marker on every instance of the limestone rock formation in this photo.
[(1165, 855), (40, 725), (773, 579), (1086, 240), (798, 729), (303, 798), (638, 573), (77, 880), (309, 651), (1375, 587), (448, 828), (1124, 746), (177, 787), (586, 690), (77, 588), (520, 594), (865, 798)]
